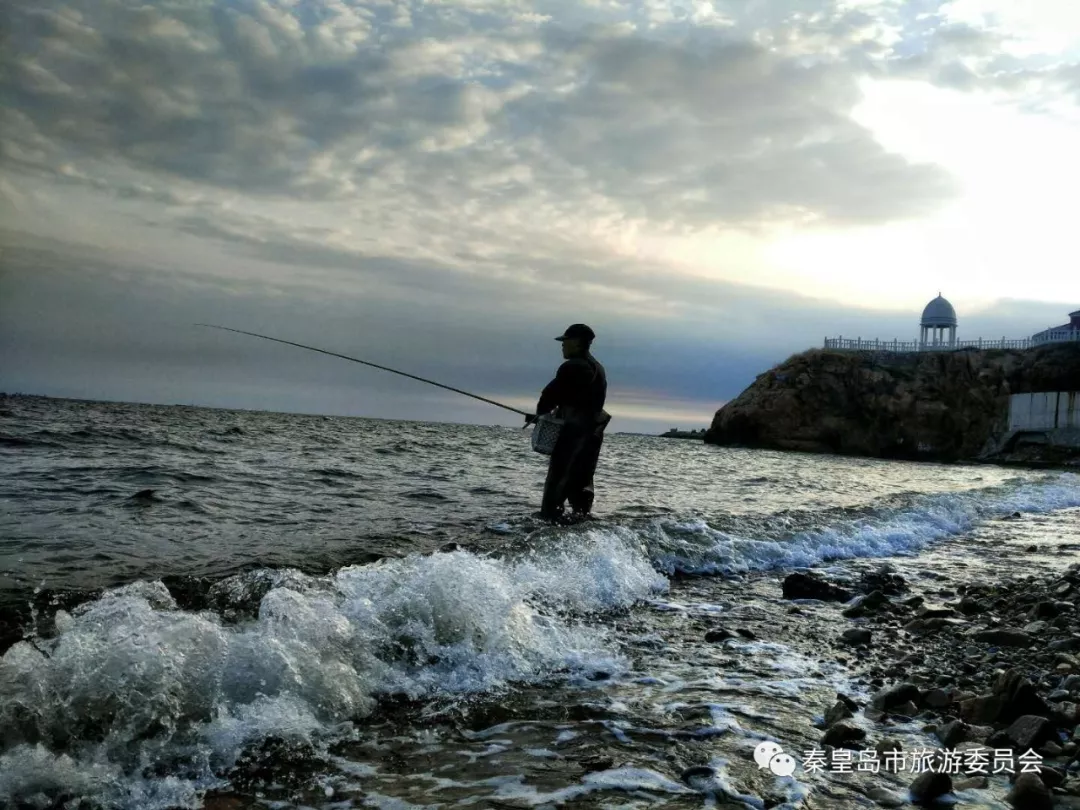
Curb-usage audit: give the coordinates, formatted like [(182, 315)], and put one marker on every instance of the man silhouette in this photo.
[(577, 396)]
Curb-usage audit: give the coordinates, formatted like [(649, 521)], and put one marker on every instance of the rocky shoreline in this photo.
[(928, 406), (989, 670)]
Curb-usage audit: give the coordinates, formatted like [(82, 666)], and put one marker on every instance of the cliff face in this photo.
[(931, 405)]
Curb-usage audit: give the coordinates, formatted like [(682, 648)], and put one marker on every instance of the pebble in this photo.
[(884, 797), (1029, 792), (719, 634), (937, 698), (697, 773), (929, 786), (843, 734), (856, 635), (1051, 750)]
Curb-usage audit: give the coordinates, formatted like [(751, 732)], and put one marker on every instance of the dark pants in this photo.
[(570, 472)]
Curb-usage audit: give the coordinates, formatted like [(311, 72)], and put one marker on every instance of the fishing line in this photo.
[(366, 363)]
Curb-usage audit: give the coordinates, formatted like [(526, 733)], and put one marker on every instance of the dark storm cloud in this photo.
[(444, 185), (76, 324), (705, 311), (336, 101)]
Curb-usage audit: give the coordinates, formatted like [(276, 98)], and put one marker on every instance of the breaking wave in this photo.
[(132, 687), (130, 679), (696, 547)]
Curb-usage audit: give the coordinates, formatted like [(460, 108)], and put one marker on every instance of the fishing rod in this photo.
[(366, 363)]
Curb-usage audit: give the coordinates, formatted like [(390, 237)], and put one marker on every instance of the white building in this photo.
[(937, 332), (938, 317), (1057, 334)]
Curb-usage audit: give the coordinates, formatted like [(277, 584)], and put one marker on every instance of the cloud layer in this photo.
[(558, 118), (469, 169)]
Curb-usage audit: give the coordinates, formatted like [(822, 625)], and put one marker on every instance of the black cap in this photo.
[(578, 331)]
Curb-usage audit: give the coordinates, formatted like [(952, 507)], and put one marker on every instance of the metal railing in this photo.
[(1056, 336), (877, 345)]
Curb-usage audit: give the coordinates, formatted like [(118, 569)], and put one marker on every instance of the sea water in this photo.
[(233, 609)]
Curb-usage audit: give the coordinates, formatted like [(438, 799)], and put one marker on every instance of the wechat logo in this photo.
[(770, 755)]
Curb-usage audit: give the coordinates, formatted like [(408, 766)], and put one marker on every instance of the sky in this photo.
[(443, 186)]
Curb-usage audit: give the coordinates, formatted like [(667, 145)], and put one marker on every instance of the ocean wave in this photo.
[(132, 671), (695, 546), (131, 678)]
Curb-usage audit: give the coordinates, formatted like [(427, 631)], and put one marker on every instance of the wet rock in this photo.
[(863, 605), (856, 635), (1051, 750), (599, 762), (1067, 713), (935, 612), (884, 581), (1058, 695), (1019, 697), (843, 734), (697, 774), (923, 626), (1029, 792), (811, 586), (979, 734), (1051, 777), (719, 634), (908, 709), (851, 704), (981, 710), (936, 699), (837, 712), (1036, 628), (883, 797), (1004, 637), (894, 696), (1064, 644), (954, 733), (970, 606), (929, 786), (972, 783), (1030, 732), (1045, 610), (746, 633), (886, 745)]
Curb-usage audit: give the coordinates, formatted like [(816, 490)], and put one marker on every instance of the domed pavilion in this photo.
[(938, 319)]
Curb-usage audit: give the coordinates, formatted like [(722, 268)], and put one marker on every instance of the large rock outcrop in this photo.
[(943, 406)]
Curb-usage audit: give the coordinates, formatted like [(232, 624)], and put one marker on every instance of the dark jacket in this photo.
[(579, 391)]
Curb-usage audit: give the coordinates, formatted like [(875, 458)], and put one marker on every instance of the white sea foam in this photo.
[(693, 546), (626, 779), (132, 666)]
